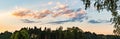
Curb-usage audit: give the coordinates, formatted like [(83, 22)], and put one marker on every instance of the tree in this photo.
[(5, 35), (109, 5), (35, 33), (22, 34), (47, 33)]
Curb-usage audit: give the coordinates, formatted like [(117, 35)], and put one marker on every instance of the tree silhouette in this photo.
[(109, 5), (47, 33)]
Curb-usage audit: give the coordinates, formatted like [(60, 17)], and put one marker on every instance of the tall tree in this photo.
[(109, 5)]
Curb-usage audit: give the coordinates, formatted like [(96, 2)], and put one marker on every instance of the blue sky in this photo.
[(95, 18), (37, 4)]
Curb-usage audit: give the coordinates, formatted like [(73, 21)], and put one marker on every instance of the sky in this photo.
[(16, 14)]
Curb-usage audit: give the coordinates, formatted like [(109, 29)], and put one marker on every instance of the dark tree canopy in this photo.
[(47, 33), (109, 5), (5, 35)]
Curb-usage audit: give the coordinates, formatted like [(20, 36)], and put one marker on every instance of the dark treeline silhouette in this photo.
[(47, 33)]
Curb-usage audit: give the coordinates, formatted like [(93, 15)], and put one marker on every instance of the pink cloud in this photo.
[(62, 10)]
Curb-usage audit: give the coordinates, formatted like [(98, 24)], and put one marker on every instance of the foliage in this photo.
[(109, 5), (22, 34), (47, 33), (5, 35)]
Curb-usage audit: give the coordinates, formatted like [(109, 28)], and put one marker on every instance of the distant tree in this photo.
[(22, 34), (78, 33), (47, 33), (35, 33)]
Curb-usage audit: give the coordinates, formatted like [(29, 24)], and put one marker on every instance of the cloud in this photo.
[(61, 10), (94, 21), (98, 21), (41, 14), (28, 21), (59, 22), (73, 17), (76, 18), (21, 12), (26, 13), (64, 21), (50, 3)]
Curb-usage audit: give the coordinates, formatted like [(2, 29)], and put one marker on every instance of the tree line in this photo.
[(47, 33)]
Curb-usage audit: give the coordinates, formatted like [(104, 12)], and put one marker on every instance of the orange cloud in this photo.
[(21, 12), (29, 13)]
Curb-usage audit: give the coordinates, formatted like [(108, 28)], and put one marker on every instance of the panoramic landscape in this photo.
[(60, 19)]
